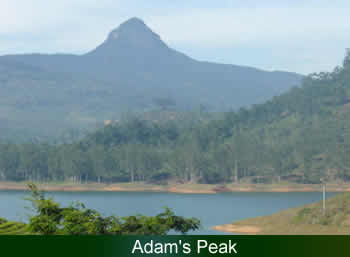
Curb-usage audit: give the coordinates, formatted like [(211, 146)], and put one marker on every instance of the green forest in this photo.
[(301, 136)]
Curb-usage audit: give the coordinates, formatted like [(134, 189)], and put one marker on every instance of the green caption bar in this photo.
[(113, 246)]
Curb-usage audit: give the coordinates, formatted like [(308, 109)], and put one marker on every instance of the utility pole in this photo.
[(323, 181), (324, 198)]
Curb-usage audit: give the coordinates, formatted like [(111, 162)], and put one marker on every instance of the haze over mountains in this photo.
[(128, 71)]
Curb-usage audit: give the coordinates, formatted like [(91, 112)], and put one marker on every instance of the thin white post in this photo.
[(324, 198)]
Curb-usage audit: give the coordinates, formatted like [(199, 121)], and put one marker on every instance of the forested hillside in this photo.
[(44, 104), (300, 136)]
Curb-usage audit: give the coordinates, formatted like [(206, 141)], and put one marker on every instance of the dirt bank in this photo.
[(252, 230), (176, 188)]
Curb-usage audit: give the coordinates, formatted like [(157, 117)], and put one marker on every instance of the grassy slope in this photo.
[(307, 219)]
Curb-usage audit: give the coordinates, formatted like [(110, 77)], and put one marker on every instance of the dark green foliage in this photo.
[(135, 131), (51, 219)]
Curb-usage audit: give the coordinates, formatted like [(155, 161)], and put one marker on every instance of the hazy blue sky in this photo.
[(299, 35)]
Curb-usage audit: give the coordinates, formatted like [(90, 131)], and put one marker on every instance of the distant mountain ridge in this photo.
[(130, 69)]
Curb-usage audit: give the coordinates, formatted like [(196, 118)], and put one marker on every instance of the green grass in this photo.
[(13, 228)]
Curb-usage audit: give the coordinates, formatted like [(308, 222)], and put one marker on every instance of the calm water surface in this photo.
[(215, 209)]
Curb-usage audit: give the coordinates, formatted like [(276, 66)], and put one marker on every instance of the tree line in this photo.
[(300, 136)]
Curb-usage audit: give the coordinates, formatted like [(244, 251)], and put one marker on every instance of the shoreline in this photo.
[(175, 188), (302, 220)]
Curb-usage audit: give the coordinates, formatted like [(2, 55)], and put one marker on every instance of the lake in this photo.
[(211, 209)]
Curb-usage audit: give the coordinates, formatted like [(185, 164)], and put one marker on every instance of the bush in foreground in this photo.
[(50, 219)]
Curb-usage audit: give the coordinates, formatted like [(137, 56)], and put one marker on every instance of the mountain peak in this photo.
[(133, 22), (128, 28), (134, 34)]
